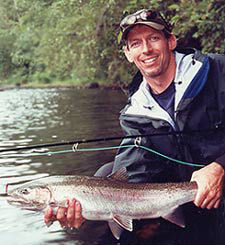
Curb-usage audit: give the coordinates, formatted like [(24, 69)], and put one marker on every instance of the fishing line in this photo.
[(63, 143), (75, 149)]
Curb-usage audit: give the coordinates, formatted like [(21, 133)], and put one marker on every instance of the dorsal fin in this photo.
[(120, 175)]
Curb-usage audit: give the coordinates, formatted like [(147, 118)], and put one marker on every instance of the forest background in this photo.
[(73, 42)]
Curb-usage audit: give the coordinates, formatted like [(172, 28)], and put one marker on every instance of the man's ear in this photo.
[(172, 42), (128, 54)]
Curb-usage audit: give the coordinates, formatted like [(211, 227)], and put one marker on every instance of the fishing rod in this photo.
[(63, 143)]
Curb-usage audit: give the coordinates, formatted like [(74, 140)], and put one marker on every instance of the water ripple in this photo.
[(37, 116)]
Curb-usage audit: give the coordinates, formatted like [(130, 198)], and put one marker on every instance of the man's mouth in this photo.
[(149, 60)]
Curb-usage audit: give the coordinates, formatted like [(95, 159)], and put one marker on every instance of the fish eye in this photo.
[(24, 191)]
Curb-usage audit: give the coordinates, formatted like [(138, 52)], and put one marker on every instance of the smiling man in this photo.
[(178, 96), (179, 92), (153, 55)]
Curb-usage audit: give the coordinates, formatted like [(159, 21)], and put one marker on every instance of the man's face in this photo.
[(149, 50)]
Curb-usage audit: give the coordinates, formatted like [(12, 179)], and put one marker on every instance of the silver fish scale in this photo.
[(101, 198), (107, 198)]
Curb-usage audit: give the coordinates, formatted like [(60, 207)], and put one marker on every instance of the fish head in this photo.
[(30, 197)]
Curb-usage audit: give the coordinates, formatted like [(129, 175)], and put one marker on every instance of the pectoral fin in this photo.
[(118, 223), (116, 229), (176, 216), (124, 222), (48, 224)]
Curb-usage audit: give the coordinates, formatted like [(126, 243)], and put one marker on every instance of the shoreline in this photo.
[(93, 85)]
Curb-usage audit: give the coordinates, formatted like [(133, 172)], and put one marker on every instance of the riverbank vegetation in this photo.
[(76, 41)]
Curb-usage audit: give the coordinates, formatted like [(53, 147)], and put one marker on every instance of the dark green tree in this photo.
[(77, 41)]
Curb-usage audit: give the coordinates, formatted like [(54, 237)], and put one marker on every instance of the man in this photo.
[(181, 95)]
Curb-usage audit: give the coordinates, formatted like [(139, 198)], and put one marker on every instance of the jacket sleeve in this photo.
[(142, 165), (221, 160)]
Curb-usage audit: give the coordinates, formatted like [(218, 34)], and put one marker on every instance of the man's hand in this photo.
[(67, 217), (210, 185)]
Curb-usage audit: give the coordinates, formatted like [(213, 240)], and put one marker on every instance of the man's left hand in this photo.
[(210, 185)]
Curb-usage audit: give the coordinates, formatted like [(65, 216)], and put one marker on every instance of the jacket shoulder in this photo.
[(217, 59), (134, 85), (217, 72), (217, 67)]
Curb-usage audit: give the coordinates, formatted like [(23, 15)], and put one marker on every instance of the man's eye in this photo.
[(135, 44), (154, 38)]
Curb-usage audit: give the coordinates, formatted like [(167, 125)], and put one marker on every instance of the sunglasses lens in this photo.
[(144, 15), (131, 20)]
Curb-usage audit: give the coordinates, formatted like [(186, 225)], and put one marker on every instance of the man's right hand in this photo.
[(68, 217)]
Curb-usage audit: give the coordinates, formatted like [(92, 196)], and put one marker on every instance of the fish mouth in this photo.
[(17, 202), (25, 205)]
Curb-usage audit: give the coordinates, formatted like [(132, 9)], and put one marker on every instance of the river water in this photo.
[(38, 116)]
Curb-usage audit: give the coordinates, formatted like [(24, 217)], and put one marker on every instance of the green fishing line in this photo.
[(75, 149)]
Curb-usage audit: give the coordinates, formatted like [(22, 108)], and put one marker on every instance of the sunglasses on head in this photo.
[(143, 15)]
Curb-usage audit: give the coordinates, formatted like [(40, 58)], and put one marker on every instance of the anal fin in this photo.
[(176, 216)]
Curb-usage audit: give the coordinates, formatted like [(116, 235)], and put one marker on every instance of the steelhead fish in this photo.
[(112, 199)]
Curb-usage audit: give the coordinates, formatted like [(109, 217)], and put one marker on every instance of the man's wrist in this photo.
[(218, 167)]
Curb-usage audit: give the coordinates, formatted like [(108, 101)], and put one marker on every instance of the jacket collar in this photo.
[(191, 75), (138, 78)]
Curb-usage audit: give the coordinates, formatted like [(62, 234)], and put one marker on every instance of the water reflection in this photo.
[(37, 116)]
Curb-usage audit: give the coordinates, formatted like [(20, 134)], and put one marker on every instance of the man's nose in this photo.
[(147, 47)]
